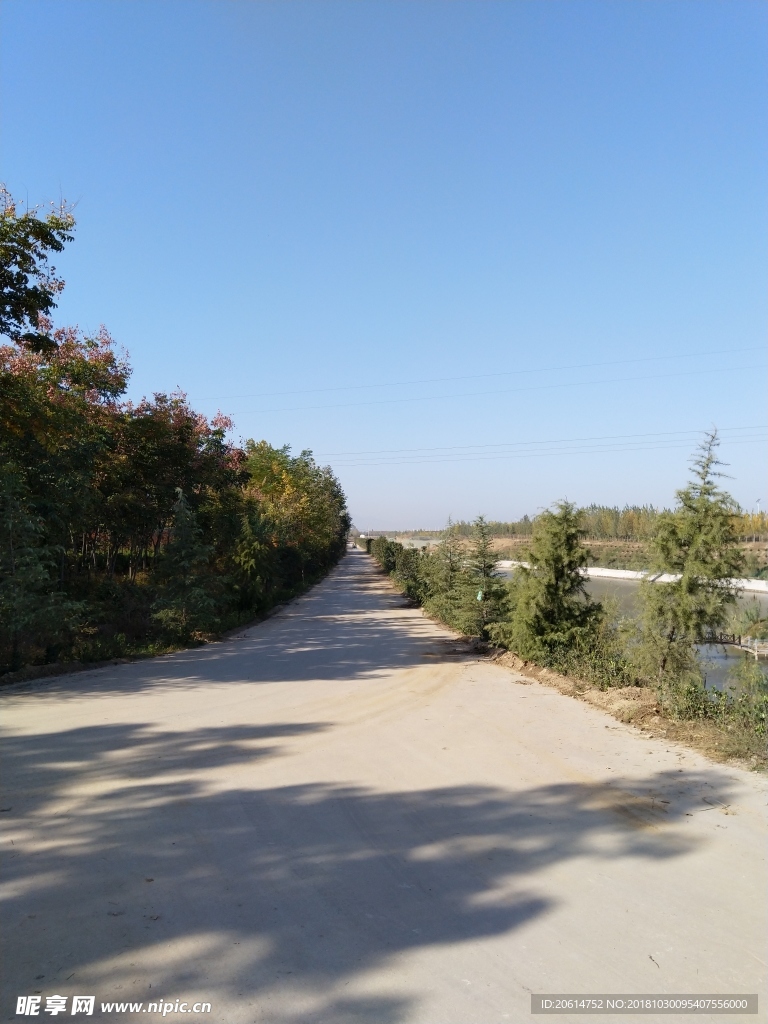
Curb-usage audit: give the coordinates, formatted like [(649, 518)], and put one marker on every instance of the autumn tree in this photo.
[(123, 523), (28, 283)]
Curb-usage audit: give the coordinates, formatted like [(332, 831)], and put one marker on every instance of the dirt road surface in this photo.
[(340, 815)]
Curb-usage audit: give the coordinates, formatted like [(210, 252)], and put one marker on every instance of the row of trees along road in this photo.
[(545, 615), (130, 527)]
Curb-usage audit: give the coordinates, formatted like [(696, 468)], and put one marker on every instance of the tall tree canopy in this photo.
[(124, 525), (28, 283)]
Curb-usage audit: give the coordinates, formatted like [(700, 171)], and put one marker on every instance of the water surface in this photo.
[(718, 661)]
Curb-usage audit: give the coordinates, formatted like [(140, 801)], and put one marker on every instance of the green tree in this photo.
[(449, 560), (304, 504), (28, 285), (35, 619), (697, 542), (185, 603), (134, 514), (408, 573), (443, 574), (254, 562), (484, 592), (385, 552), (551, 610), (461, 583)]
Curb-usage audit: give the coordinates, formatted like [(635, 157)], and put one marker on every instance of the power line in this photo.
[(511, 391), (558, 440), (481, 376), (503, 456)]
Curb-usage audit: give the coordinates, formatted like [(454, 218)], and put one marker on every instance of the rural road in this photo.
[(341, 816)]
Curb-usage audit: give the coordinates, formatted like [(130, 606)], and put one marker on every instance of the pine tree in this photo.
[(443, 571), (448, 560), (551, 609), (485, 590), (466, 590), (698, 542)]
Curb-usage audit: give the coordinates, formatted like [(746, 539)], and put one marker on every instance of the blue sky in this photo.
[(552, 216)]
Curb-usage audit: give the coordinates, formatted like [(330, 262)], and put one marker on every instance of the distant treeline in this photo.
[(131, 527), (604, 522)]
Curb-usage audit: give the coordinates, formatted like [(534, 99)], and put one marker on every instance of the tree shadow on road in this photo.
[(138, 861)]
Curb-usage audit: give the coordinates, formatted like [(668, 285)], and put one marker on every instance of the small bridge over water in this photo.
[(745, 643)]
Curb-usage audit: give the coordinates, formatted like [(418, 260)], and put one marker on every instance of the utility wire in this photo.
[(557, 440), (481, 376), (503, 456), (511, 391)]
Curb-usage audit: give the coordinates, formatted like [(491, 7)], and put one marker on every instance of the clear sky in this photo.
[(477, 256)]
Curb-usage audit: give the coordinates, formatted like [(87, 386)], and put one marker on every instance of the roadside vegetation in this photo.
[(544, 617), (130, 528)]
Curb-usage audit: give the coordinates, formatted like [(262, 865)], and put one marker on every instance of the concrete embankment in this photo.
[(747, 585)]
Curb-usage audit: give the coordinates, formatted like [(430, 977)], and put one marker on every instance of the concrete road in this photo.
[(341, 816)]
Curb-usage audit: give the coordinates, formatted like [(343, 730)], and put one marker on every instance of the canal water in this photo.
[(718, 661)]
